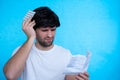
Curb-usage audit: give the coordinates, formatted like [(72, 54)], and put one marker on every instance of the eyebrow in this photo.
[(48, 28)]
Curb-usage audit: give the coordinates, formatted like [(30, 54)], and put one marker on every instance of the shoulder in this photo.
[(62, 49)]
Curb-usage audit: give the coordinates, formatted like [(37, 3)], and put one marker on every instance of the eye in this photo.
[(53, 29)]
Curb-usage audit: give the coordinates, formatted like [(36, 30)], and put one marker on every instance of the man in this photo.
[(42, 60)]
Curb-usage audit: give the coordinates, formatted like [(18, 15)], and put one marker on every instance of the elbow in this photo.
[(9, 75)]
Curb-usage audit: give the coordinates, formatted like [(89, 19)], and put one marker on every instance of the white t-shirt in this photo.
[(46, 65)]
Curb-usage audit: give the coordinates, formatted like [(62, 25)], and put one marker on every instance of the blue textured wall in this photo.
[(85, 25)]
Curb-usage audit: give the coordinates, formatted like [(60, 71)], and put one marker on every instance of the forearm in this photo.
[(15, 65)]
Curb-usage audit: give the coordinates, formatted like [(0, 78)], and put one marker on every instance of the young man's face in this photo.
[(45, 36)]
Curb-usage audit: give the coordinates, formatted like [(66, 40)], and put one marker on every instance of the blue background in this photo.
[(85, 25)]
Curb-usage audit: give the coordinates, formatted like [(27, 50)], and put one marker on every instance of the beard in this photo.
[(46, 42)]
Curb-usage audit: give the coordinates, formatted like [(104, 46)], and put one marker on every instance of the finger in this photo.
[(79, 78), (23, 24), (82, 75), (27, 17), (86, 74), (27, 21), (31, 24)]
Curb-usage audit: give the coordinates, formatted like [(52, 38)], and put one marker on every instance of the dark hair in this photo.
[(45, 17)]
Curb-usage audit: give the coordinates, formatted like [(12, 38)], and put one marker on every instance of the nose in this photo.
[(49, 33)]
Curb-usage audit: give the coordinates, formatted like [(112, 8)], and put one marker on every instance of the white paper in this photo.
[(78, 64)]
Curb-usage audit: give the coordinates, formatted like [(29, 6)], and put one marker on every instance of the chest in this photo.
[(48, 63)]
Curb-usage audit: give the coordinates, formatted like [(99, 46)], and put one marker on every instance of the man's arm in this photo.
[(81, 76), (16, 64)]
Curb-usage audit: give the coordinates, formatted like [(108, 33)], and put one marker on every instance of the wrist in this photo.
[(31, 39)]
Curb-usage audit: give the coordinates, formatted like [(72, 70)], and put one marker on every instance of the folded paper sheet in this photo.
[(78, 64)]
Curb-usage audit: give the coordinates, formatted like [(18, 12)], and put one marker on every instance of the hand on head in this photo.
[(27, 27)]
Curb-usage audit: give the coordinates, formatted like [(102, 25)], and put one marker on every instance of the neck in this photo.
[(43, 48)]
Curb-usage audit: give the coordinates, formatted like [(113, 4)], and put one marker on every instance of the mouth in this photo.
[(49, 40)]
